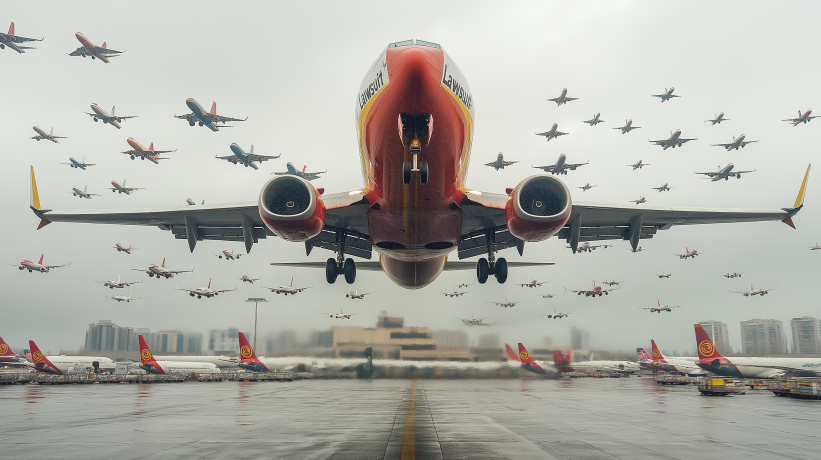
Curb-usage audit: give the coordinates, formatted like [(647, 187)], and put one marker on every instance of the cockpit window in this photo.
[(403, 43), (411, 42), (429, 44)]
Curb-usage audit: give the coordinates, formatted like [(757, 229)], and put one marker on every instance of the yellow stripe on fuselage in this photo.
[(367, 172)]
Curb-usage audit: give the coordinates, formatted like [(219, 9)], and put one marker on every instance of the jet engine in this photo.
[(292, 208), (537, 208)]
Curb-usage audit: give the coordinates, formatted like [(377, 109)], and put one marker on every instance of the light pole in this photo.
[(256, 301)]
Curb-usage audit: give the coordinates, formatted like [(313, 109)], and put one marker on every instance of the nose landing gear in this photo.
[(414, 129)]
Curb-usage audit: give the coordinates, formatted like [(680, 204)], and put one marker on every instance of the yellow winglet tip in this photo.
[(35, 197), (803, 190)]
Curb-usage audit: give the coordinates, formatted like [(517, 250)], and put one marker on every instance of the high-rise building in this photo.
[(719, 334), (223, 340), (107, 336), (174, 342), (763, 337), (806, 337), (448, 338), (579, 339)]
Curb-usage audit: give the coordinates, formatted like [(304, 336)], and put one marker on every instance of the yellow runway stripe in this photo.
[(409, 435)]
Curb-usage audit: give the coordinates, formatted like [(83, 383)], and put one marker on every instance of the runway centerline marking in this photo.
[(409, 434)]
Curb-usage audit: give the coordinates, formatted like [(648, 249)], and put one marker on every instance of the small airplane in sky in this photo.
[(638, 165), (688, 254), (500, 162), (667, 95), (47, 136), (628, 126), (664, 188), (717, 119), (208, 119), (120, 248), (815, 248), (291, 170), (229, 255), (555, 314), (161, 271), (123, 298), (506, 303), (735, 144), (246, 279), (805, 118), (190, 202), (122, 188), (724, 173), (663, 275), (287, 289), (641, 200), (356, 295), (247, 159), (78, 164), (139, 151), (83, 193), (612, 283), (340, 315), (595, 120), (675, 140), (587, 247), (532, 283), (660, 308), (547, 296), (563, 99), (96, 52), (37, 266), (595, 291), (474, 321), (753, 291), (553, 133), (731, 275), (463, 285), (12, 41), (116, 284), (100, 114), (587, 187), (455, 293), (560, 167), (206, 292)]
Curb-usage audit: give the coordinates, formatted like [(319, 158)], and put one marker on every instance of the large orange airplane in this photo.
[(414, 116)]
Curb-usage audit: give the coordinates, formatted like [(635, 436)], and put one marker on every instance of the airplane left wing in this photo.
[(222, 119), (261, 158), (81, 51), (102, 50)]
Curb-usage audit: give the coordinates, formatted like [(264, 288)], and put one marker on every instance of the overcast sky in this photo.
[(294, 71)]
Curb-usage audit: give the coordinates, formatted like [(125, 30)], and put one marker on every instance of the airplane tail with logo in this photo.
[(248, 359), (657, 356), (41, 363), (147, 359), (528, 362), (27, 354), (511, 355), (562, 361), (5, 350), (707, 352)]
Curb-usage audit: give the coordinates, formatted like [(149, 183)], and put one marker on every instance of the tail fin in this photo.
[(147, 358), (151, 147), (41, 259), (511, 355), (642, 354), (11, 29), (248, 357), (27, 354), (163, 262), (112, 110), (657, 356), (562, 361), (209, 283), (51, 131), (304, 168), (528, 362), (5, 350), (214, 108), (40, 361), (252, 149), (706, 349)]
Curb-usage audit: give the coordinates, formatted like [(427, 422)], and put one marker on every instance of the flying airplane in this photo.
[(753, 291), (595, 120), (100, 114), (547, 296), (587, 247), (506, 303), (455, 293), (612, 283), (151, 365), (78, 164), (660, 308), (463, 285), (418, 230), (638, 165), (563, 99), (474, 321), (63, 364), (664, 188), (247, 159), (287, 289), (724, 173), (206, 292), (47, 136), (731, 275), (667, 95), (207, 119), (123, 298), (122, 188), (228, 255), (663, 275), (532, 283), (96, 52), (117, 284), (553, 133), (356, 295), (641, 200), (190, 202), (628, 126), (120, 248), (340, 315), (735, 144), (12, 41), (37, 266), (688, 254), (246, 279), (675, 140), (805, 118), (717, 119), (555, 315), (560, 167), (500, 162), (161, 271), (815, 248), (137, 150), (292, 171), (586, 187), (595, 291), (83, 193)]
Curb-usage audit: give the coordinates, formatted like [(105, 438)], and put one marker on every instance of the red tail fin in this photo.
[(304, 168), (112, 110), (214, 108), (706, 349), (146, 357), (528, 362), (104, 45), (657, 356), (209, 283), (151, 147), (41, 259), (562, 361), (511, 355), (687, 249), (163, 262), (11, 29), (5, 350), (40, 361), (247, 354)]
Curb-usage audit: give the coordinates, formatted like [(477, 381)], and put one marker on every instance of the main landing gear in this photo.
[(491, 265), (340, 265)]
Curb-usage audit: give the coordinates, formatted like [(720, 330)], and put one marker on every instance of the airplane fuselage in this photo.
[(200, 114), (92, 50), (103, 115), (33, 266), (77, 164), (242, 156), (43, 135), (119, 188), (142, 152)]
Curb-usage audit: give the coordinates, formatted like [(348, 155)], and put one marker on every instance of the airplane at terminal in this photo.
[(207, 119), (500, 162), (563, 98), (688, 254), (120, 248), (595, 291), (8, 358), (160, 271), (287, 289), (725, 173), (101, 114), (802, 118), (595, 120), (355, 295), (247, 159), (528, 363), (47, 136), (96, 52), (228, 255), (63, 364), (587, 247), (474, 321), (292, 171), (248, 359), (738, 142), (561, 166), (206, 292), (660, 308), (11, 40), (153, 366), (507, 303), (37, 266), (666, 95), (753, 291), (246, 279), (675, 140), (532, 283), (552, 133), (414, 227), (137, 150), (78, 164), (122, 188), (83, 193), (717, 119), (688, 366), (116, 284), (628, 126), (123, 298)]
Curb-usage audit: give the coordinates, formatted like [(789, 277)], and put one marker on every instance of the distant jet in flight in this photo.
[(42, 135), (83, 193), (241, 158), (675, 140), (587, 187), (553, 133), (96, 52), (208, 119), (37, 266), (668, 94), (560, 167), (638, 165), (139, 151), (731, 275), (628, 126), (247, 279), (563, 99), (294, 172), (664, 188), (78, 164), (100, 114), (595, 120), (735, 144), (805, 118), (120, 248), (123, 298), (12, 41), (725, 173), (122, 188), (660, 308), (640, 200), (718, 119), (500, 162)]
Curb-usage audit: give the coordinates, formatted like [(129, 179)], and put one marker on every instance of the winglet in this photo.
[(799, 200), (34, 203)]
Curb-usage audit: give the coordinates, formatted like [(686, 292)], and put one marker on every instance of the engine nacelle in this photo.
[(292, 208), (538, 208)]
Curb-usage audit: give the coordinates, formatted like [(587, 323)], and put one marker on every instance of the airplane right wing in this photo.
[(81, 51), (261, 158), (102, 50), (545, 168)]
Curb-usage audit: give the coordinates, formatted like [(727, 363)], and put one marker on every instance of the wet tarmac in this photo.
[(631, 418)]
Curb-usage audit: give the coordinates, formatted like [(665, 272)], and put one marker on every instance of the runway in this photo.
[(630, 418)]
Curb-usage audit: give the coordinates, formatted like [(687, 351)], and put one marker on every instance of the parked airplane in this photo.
[(732, 275), (96, 52), (247, 159), (660, 308), (78, 164), (153, 366), (64, 364), (641, 200), (532, 283), (560, 167), (161, 271), (725, 173), (414, 228), (675, 140), (587, 187), (663, 275), (805, 118), (529, 363), (100, 114), (246, 279), (595, 291), (474, 321), (688, 366), (500, 162), (595, 120), (717, 119), (83, 193), (123, 298), (587, 247), (356, 295), (563, 98), (667, 95), (612, 283), (122, 188), (553, 133), (753, 291), (248, 359), (454, 293), (37, 266), (292, 171), (12, 41), (47, 136), (664, 188), (229, 255), (8, 358), (206, 292), (137, 150), (815, 248), (116, 284), (287, 289), (340, 315), (506, 303), (638, 165), (688, 254), (628, 126), (555, 315), (735, 144), (120, 248), (207, 119)]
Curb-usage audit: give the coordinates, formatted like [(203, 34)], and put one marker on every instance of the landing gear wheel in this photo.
[(423, 173), (482, 270), (501, 270), (406, 172), (350, 270), (330, 271)]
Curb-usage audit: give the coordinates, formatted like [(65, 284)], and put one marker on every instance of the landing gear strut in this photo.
[(340, 265), (491, 265)]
